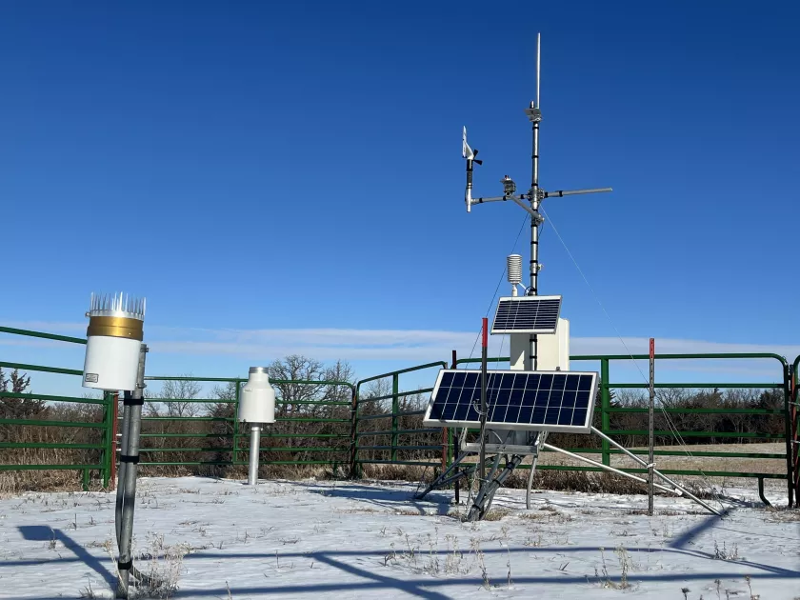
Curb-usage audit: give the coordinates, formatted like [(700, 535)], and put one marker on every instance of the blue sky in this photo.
[(281, 177)]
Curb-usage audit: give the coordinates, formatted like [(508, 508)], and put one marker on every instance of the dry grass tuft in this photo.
[(577, 481), (496, 514), (13, 483), (783, 515)]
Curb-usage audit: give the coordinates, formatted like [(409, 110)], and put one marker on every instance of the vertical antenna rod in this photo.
[(535, 115), (538, 64), (535, 194)]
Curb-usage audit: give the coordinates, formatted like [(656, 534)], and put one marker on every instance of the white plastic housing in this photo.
[(111, 363), (257, 401), (514, 269), (552, 350)]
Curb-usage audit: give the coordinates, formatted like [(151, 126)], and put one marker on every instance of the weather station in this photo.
[(515, 409)]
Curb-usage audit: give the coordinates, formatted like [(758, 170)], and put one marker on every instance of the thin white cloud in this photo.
[(32, 342), (395, 344)]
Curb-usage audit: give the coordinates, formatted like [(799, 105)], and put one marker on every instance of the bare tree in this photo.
[(226, 407), (179, 395), (292, 396), (341, 371)]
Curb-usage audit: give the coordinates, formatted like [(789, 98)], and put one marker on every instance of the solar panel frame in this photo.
[(525, 303), (473, 395)]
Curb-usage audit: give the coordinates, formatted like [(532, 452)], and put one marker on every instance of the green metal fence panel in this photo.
[(342, 439), (186, 426), (794, 400), (339, 443), (606, 411), (102, 448), (394, 416)]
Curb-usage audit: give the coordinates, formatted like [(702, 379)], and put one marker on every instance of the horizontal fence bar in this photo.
[(309, 420), (233, 401), (189, 378), (263, 449), (410, 413), (50, 467), (186, 435), (200, 463), (597, 357), (49, 398), (51, 446), (709, 434), (496, 359), (347, 403), (332, 383), (263, 435), (684, 472), (302, 449), (707, 355), (702, 411), (683, 453), (696, 386), (399, 462), (397, 395), (189, 401), (439, 447), (186, 419), (41, 334), (40, 369), (373, 417), (29, 422), (193, 463), (398, 432), (305, 435), (292, 462), (440, 364)]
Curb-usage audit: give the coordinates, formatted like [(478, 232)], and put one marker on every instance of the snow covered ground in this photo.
[(302, 539)]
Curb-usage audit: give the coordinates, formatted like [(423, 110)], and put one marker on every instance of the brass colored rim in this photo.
[(122, 327)]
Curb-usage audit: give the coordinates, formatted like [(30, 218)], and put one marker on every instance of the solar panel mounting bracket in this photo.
[(474, 447)]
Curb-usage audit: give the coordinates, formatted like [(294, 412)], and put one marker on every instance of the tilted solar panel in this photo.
[(526, 400), (527, 314)]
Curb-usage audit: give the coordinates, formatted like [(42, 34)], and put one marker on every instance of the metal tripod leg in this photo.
[(483, 500), (446, 478), (487, 499)]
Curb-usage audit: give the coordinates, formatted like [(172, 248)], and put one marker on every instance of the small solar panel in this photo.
[(522, 400), (527, 314)]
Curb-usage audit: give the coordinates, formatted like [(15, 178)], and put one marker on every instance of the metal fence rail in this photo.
[(374, 422), (230, 444), (605, 411), (12, 429), (794, 403), (388, 441)]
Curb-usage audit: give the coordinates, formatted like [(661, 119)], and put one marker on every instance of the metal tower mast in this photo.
[(531, 200)]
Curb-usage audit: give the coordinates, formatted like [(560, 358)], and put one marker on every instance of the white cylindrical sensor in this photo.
[(257, 400), (114, 340), (112, 363)]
